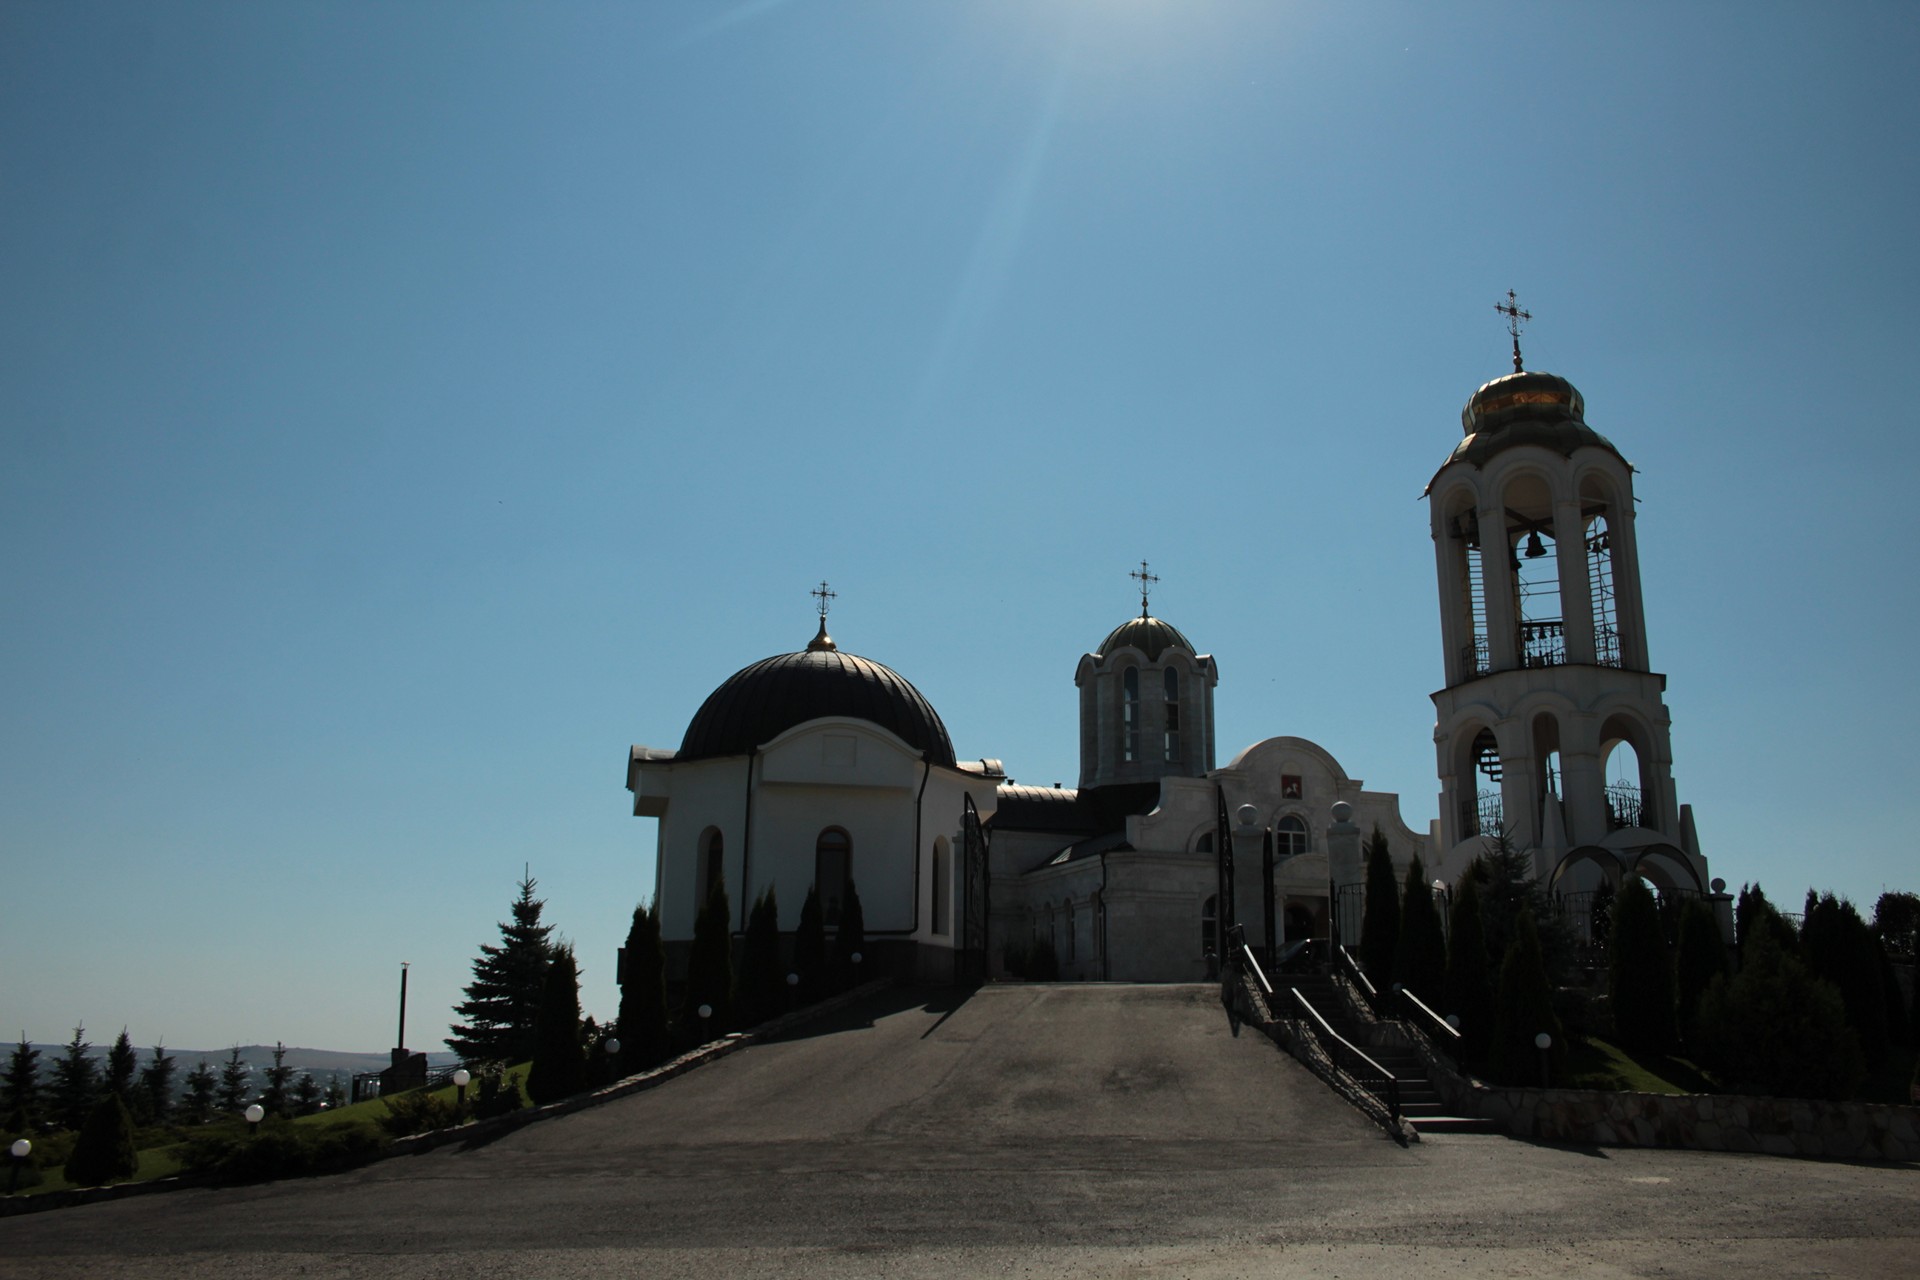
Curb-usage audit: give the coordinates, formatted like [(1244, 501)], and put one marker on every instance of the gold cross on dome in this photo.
[(826, 596), (1146, 581), (1516, 316)]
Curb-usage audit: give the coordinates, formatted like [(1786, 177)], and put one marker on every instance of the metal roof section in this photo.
[(1063, 811), (1151, 636), (1520, 409), (758, 703)]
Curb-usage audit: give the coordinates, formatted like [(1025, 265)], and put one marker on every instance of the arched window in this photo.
[(941, 896), (1073, 948), (1130, 715), (1289, 837), (1209, 922), (832, 871), (709, 867), (1097, 909), (1606, 618), (1172, 686), (1476, 659)]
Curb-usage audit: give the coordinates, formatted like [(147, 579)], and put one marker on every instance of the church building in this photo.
[(822, 770)]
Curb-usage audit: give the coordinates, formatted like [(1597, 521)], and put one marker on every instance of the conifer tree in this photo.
[(76, 1083), (559, 1067), (1600, 919), (1506, 889), (1380, 921), (1420, 963), (1753, 914), (810, 949), (123, 1064), (1775, 1030), (20, 1088), (198, 1098), (1698, 960), (1839, 947), (710, 969), (156, 1085), (233, 1082), (306, 1095), (276, 1097), (644, 1035), (762, 981), (1469, 993), (1524, 1009), (851, 941), (104, 1151), (1640, 972), (504, 996), (336, 1095)]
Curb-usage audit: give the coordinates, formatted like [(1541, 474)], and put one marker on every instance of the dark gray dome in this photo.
[(1525, 408), (766, 699), (1151, 636)]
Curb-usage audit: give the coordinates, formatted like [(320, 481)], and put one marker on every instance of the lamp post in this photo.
[(20, 1149), (254, 1114), (461, 1079), (1544, 1042), (611, 1048)]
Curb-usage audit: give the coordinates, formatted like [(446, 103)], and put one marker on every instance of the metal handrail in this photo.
[(1359, 977), (1432, 1022), (1345, 1056), (1251, 964)]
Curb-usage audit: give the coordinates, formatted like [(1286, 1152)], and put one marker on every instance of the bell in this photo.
[(1534, 548)]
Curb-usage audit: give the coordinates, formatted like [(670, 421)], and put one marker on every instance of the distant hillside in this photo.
[(321, 1062)]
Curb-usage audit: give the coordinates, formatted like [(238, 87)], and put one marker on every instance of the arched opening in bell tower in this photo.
[(1546, 764), (1536, 574), (1130, 715), (1477, 784), (1595, 511), (1625, 762), (1171, 687), (1476, 654)]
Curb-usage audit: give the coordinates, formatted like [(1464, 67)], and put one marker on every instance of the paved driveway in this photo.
[(1025, 1130)]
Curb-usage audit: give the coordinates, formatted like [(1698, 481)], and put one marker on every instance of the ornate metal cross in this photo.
[(825, 596), (1146, 581), (1511, 309)]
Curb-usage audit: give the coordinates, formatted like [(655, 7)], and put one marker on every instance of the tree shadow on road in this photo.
[(862, 1014)]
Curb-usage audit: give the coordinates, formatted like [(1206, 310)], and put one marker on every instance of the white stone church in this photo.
[(820, 768)]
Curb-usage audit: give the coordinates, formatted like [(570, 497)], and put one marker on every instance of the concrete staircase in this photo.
[(1420, 1102)]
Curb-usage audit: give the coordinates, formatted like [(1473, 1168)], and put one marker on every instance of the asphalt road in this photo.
[(1042, 1130)]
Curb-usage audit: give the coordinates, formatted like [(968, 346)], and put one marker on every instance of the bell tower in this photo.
[(1551, 725), (1146, 702)]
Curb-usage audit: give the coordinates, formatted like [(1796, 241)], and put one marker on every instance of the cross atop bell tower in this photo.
[(1516, 316), (1146, 581)]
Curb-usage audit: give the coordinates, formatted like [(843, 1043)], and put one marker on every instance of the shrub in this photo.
[(1043, 963), (1469, 990), (851, 941), (810, 949), (497, 1092), (1702, 957), (418, 1111), (282, 1151), (644, 1036), (762, 990), (1420, 964), (1524, 1009), (709, 970), (1380, 921), (104, 1151)]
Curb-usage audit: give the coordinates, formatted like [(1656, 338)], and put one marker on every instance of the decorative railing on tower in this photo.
[(1543, 644), (1476, 659), (1480, 815), (1606, 646), (1627, 807)]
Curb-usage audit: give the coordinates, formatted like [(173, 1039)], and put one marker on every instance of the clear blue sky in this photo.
[(406, 407)]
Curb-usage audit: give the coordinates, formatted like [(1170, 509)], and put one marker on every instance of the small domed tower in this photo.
[(1551, 726), (1146, 703)]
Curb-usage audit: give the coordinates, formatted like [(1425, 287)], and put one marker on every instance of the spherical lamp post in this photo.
[(21, 1147), (461, 1079), (611, 1047), (1543, 1042), (254, 1114)]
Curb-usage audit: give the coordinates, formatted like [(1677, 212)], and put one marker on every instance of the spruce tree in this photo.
[(1640, 972), (75, 1085), (1469, 993), (851, 941), (123, 1064), (1753, 914), (810, 950), (104, 1151), (276, 1097), (710, 969), (762, 982), (1600, 920), (1380, 921), (1505, 874), (1420, 963), (504, 996), (20, 1088), (306, 1095), (1700, 958), (156, 1084), (1524, 1009), (644, 1036), (233, 1082), (200, 1095), (559, 1067)]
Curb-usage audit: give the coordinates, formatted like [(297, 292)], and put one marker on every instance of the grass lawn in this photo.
[(1595, 1064)]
